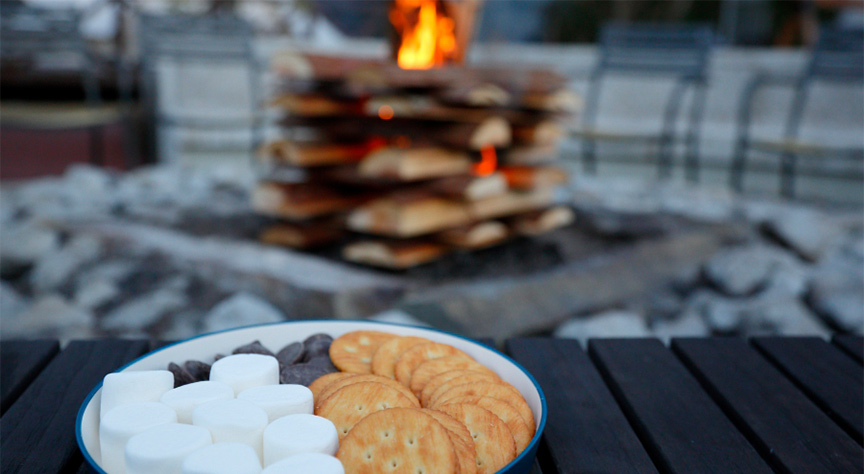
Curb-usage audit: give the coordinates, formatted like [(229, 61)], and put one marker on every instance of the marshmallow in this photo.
[(233, 420), (301, 433), (242, 371), (162, 449), (134, 386), (280, 400), (223, 458), (124, 422), (306, 463), (185, 399)]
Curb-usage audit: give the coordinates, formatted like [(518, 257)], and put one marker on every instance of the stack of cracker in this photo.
[(405, 166), (423, 405)]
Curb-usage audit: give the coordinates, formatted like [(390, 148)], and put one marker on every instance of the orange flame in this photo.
[(427, 37), (488, 162)]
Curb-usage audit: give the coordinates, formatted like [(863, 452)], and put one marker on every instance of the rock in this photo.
[(241, 309), (88, 180), (182, 325), (22, 244), (807, 232), (11, 303), (605, 324), (689, 324), (723, 315), (741, 270), (92, 294), (836, 293), (109, 270), (140, 312), (398, 317), (784, 315), (54, 268), (625, 224), (49, 316)]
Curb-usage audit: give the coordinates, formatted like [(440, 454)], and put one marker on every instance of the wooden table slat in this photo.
[(791, 432), (20, 363), (852, 344), (825, 374), (682, 427), (585, 429), (38, 431)]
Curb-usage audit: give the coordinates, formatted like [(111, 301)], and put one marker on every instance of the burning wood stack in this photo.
[(405, 166)]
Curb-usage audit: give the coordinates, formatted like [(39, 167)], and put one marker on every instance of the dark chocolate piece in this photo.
[(254, 347), (317, 345), (291, 354), (197, 369), (181, 377)]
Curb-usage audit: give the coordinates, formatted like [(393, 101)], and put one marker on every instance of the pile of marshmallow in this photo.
[(236, 422)]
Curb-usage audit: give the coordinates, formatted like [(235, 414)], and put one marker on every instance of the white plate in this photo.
[(276, 336)]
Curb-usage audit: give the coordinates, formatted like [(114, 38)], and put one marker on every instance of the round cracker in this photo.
[(323, 381), (360, 378), (520, 430), (397, 440), (410, 359), (493, 442), (352, 352), (441, 383), (499, 390), (351, 403), (425, 371), (384, 359), (463, 444)]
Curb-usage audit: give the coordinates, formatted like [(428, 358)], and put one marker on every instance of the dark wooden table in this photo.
[(624, 405)]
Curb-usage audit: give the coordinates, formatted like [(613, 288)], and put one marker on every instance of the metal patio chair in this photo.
[(838, 58), (28, 35), (678, 51), (214, 39)]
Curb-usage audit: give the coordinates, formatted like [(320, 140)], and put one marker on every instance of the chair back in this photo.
[(666, 49), (838, 55), (27, 31)]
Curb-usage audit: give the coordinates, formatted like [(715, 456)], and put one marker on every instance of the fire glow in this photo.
[(426, 33), (488, 162)]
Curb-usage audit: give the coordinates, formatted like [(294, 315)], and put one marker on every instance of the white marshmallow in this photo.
[(306, 463), (186, 398), (122, 423), (280, 400), (242, 371), (161, 450), (134, 386), (233, 420), (301, 433), (223, 458)]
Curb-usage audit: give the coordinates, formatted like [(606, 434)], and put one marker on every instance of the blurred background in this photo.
[(714, 155)]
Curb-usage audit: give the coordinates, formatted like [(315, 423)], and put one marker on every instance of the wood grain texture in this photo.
[(789, 431), (38, 432), (851, 344), (824, 373), (677, 421), (20, 363), (585, 429)]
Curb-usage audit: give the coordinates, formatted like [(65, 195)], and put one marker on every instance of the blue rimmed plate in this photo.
[(276, 336)]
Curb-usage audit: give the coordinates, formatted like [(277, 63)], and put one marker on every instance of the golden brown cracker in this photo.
[(359, 378), (323, 381), (398, 440), (443, 382), (351, 403), (425, 371), (352, 352), (493, 442), (384, 359), (520, 430), (499, 390), (420, 353), (463, 444)]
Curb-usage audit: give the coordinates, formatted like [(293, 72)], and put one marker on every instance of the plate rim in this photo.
[(531, 446)]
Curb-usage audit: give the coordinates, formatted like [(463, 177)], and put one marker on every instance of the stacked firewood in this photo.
[(404, 166)]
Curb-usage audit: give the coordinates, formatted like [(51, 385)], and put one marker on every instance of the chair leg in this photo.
[(589, 157), (97, 146), (664, 158), (738, 168), (787, 175)]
